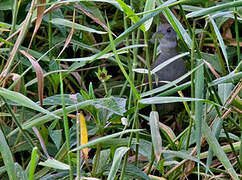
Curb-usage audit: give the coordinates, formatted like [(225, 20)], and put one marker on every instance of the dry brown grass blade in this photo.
[(36, 131), (40, 14), (39, 75), (68, 40), (212, 69), (93, 18), (167, 130), (15, 77), (156, 177), (193, 153)]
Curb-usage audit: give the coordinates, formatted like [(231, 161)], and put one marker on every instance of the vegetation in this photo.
[(76, 104)]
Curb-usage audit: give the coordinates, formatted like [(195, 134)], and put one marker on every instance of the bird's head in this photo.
[(166, 36)]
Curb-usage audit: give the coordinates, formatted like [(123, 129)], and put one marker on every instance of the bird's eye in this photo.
[(168, 30)]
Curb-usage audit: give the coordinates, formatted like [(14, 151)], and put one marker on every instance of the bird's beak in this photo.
[(157, 34)]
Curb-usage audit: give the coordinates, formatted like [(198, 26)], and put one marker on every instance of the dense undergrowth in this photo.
[(76, 102)]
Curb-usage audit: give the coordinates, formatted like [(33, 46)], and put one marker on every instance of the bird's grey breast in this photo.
[(168, 48)]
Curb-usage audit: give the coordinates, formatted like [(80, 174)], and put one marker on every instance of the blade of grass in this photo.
[(213, 9), (18, 42), (39, 75), (33, 163), (119, 153), (105, 138), (221, 42), (149, 5), (66, 127), (213, 143), (199, 88), (130, 13), (7, 157), (155, 134), (24, 101), (136, 94), (40, 14), (68, 39)]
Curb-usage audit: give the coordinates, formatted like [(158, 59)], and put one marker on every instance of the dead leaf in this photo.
[(68, 40), (39, 75), (84, 135), (93, 18), (40, 14), (212, 69)]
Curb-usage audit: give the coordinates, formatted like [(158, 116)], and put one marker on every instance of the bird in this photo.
[(168, 49), (167, 38)]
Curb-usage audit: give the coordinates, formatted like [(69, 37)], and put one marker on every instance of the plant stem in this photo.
[(66, 127), (129, 143)]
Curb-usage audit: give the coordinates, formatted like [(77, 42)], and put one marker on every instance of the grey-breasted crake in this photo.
[(168, 48)]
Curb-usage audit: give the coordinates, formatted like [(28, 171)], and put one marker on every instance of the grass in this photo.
[(75, 103)]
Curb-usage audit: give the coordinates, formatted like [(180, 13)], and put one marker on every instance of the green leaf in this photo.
[(221, 42), (56, 136), (130, 13), (33, 162), (182, 155), (215, 146), (133, 172), (218, 7), (113, 2), (149, 5), (119, 153), (155, 134), (113, 104), (52, 163), (24, 101), (7, 157), (20, 173), (229, 78), (104, 158), (69, 24), (90, 58), (105, 138), (172, 99), (5, 5), (199, 88)]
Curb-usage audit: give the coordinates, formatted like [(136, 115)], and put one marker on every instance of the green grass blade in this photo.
[(7, 157), (213, 9), (221, 42), (105, 138), (155, 134), (130, 13), (24, 101), (199, 88), (149, 5), (52, 163), (213, 143), (33, 163), (172, 99), (233, 76), (119, 153), (69, 24)]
